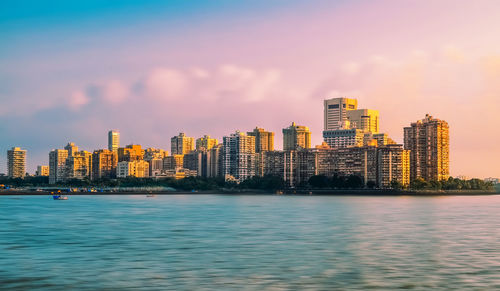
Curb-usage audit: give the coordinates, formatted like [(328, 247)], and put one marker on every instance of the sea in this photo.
[(249, 242)]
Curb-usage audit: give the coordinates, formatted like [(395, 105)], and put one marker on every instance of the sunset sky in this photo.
[(72, 70)]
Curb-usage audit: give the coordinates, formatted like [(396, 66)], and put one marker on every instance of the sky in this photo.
[(72, 70)]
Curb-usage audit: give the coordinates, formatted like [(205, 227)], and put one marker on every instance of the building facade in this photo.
[(181, 144), (335, 112), (16, 163), (57, 165), (264, 140), (113, 140), (137, 168), (206, 142), (130, 153), (104, 164), (42, 171), (239, 159), (428, 140), (344, 138), (78, 166), (366, 120), (296, 137)]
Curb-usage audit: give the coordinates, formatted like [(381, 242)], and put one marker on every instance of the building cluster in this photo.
[(353, 145)]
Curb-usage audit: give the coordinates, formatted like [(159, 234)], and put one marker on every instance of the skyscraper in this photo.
[(16, 162), (264, 140), (57, 165), (428, 139), (78, 165), (206, 142), (104, 164), (296, 137), (113, 140), (239, 156), (181, 144), (335, 112)]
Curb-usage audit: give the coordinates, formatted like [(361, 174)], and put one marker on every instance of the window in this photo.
[(334, 106), (351, 106)]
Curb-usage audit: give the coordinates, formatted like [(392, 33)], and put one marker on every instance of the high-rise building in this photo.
[(296, 137), (428, 140), (113, 140), (173, 162), (264, 140), (57, 165), (78, 165), (137, 168), (238, 156), (206, 142), (335, 112), (341, 138), (393, 165), (104, 164), (71, 148), (366, 120), (16, 163), (152, 153), (181, 144), (42, 171), (130, 153)]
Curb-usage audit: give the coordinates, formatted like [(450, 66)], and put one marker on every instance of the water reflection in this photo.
[(207, 242)]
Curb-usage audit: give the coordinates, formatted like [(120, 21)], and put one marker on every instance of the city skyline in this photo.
[(104, 67)]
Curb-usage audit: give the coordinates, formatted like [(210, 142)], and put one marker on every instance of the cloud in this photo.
[(77, 99)]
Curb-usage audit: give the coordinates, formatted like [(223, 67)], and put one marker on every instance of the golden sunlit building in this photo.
[(16, 163), (181, 144), (130, 153), (206, 142), (104, 164), (296, 137), (264, 140), (429, 142), (57, 165)]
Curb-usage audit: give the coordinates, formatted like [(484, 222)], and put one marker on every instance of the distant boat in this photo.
[(60, 197), (150, 195)]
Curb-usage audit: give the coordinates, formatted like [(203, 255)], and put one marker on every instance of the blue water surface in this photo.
[(226, 242)]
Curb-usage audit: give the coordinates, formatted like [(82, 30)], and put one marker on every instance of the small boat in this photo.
[(150, 195), (60, 197)]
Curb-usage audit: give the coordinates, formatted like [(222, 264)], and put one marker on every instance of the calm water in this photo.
[(211, 242)]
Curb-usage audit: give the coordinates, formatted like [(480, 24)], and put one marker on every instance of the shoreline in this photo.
[(347, 192)]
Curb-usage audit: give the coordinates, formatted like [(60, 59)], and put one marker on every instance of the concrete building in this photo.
[(296, 137), (130, 153), (137, 168), (57, 165), (181, 144), (393, 164), (206, 142), (366, 120), (214, 162), (153, 153), (264, 140), (113, 140), (16, 163), (428, 140), (342, 138), (71, 148), (196, 161), (104, 164), (239, 159), (155, 167), (78, 166), (173, 162), (335, 112), (42, 171)]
